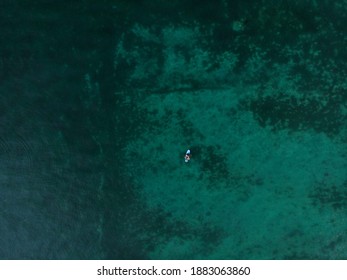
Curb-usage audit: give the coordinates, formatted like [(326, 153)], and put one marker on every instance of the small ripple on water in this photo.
[(17, 152), (4, 145)]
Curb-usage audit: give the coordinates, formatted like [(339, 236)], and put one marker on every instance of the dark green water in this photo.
[(92, 91)]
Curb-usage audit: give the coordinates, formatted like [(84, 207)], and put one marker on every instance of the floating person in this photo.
[(187, 156)]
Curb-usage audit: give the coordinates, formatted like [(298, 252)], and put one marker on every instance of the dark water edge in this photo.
[(64, 195), (67, 113)]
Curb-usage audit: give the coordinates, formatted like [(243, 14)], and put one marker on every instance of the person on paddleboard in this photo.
[(187, 156)]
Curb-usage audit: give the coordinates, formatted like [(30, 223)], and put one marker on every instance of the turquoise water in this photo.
[(100, 101)]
